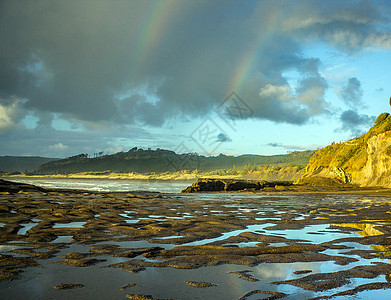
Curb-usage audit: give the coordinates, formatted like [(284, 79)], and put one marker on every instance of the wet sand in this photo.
[(78, 244)]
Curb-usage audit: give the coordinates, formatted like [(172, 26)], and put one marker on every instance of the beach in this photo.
[(150, 245)]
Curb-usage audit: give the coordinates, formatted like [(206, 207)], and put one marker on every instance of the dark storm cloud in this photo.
[(62, 143), (348, 25), (354, 122), (101, 61), (223, 138), (352, 93)]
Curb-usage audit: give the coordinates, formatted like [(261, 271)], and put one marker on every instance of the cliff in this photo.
[(364, 161)]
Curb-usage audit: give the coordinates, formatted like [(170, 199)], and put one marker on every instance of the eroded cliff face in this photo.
[(377, 171), (365, 161)]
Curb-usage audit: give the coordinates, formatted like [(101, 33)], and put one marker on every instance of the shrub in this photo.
[(381, 118)]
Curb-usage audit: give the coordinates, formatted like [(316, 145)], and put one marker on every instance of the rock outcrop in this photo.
[(364, 161), (228, 185), (15, 187)]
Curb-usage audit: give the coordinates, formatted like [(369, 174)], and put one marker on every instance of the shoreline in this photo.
[(139, 177), (267, 173), (123, 176), (50, 237), (74, 178), (294, 189)]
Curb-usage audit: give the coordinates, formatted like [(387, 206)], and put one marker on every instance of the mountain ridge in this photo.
[(159, 160)]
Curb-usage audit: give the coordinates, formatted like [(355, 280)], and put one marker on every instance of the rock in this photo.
[(68, 286), (200, 284), (228, 185), (14, 187)]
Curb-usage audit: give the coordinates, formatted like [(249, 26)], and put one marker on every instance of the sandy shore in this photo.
[(135, 233), (176, 176)]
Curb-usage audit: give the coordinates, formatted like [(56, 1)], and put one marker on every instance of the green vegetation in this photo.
[(160, 161), (263, 172), (381, 118), (351, 155)]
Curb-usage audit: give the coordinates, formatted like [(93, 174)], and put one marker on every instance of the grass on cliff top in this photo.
[(257, 172), (350, 155)]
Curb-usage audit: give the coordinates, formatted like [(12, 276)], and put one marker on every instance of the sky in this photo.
[(233, 77)]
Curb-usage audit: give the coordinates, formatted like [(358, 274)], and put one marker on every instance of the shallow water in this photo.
[(70, 225), (316, 234), (225, 235), (26, 227), (63, 239), (7, 248), (106, 185), (175, 220)]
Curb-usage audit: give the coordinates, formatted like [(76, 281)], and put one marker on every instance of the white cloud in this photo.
[(281, 93), (5, 119), (58, 147), (10, 113)]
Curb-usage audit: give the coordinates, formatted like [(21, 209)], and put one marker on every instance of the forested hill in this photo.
[(146, 161)]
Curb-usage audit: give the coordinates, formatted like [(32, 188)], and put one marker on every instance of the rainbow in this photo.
[(247, 63), (151, 30), (157, 21)]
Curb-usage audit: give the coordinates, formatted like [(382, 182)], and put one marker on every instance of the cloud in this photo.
[(348, 25), (278, 103), (223, 138), (137, 108), (58, 147), (10, 113), (275, 145), (354, 122), (79, 58), (127, 64), (45, 142), (282, 104), (295, 147), (311, 88), (5, 118), (352, 93)]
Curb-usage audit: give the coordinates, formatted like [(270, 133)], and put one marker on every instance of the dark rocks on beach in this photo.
[(140, 297), (14, 187), (126, 286), (200, 284), (68, 286), (299, 272), (228, 185), (245, 275), (273, 295)]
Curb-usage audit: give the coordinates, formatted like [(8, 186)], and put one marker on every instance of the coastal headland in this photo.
[(327, 233)]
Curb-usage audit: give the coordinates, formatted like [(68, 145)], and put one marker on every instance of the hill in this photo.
[(365, 160), (23, 163), (159, 161)]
